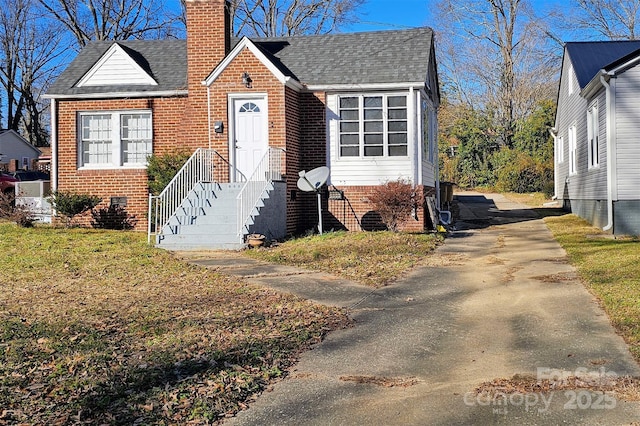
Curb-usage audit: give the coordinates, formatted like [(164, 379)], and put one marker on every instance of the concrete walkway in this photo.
[(497, 299)]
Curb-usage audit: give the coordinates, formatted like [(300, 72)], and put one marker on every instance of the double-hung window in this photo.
[(593, 132), (114, 139), (373, 126)]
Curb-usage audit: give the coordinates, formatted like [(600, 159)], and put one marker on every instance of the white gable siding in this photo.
[(627, 116), (572, 111), (369, 171), (116, 67)]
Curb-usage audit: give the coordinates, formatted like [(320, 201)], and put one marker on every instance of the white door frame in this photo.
[(233, 99)]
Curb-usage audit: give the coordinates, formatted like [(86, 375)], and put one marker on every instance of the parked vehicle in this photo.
[(7, 184), (30, 175)]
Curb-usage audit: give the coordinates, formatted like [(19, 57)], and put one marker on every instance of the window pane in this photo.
[(96, 139), (397, 114), (135, 132), (348, 102), (373, 151), (373, 139), (373, 102), (373, 126), (397, 126), (372, 114), (349, 114), (349, 127), (398, 151), (349, 151), (397, 138), (349, 140), (397, 101)]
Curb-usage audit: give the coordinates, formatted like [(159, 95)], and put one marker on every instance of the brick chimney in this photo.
[(208, 37), (208, 42)]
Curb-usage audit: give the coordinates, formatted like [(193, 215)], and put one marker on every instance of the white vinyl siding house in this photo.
[(601, 183)]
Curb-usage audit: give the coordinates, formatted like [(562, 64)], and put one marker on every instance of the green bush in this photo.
[(520, 172), (70, 204), (113, 217), (162, 168)]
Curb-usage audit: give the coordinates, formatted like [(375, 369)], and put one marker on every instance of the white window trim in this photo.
[(116, 156), (385, 95), (593, 136), (573, 151), (560, 149), (571, 89)]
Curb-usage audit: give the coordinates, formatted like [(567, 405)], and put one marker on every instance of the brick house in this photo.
[(255, 112)]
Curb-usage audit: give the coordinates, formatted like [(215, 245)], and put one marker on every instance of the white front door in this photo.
[(250, 133)]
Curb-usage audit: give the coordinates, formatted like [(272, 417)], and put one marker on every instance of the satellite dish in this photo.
[(312, 180)]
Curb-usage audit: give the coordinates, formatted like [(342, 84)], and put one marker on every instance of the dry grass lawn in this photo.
[(98, 328), (371, 258)]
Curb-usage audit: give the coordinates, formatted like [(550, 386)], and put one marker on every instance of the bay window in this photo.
[(113, 139)]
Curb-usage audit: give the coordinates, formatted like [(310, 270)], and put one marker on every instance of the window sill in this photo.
[(111, 167)]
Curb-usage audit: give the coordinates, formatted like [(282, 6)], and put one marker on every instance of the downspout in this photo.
[(554, 135), (611, 142), (208, 114), (54, 145)]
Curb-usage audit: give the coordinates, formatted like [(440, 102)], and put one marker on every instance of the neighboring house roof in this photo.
[(164, 60), (588, 58), (379, 57)]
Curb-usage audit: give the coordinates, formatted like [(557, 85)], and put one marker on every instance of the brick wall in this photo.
[(208, 32), (313, 148), (120, 182), (358, 198)]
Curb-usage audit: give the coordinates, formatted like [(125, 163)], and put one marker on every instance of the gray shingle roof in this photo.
[(358, 58), (591, 56), (400, 56), (164, 60)]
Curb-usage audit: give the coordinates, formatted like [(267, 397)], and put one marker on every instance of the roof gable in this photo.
[(588, 58), (245, 43), (164, 60), (116, 67), (11, 137)]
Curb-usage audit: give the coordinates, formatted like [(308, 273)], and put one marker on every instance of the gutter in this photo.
[(54, 145), (611, 143)]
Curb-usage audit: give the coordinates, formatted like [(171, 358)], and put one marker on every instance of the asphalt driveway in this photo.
[(497, 299)]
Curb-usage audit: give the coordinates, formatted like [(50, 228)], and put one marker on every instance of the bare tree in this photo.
[(28, 49), (112, 19), (494, 54), (613, 19)]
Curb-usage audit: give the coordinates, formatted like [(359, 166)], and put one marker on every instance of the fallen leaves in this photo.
[(97, 327)]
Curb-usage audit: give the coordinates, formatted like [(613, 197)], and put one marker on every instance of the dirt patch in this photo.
[(556, 278), (387, 382), (494, 260), (625, 387), (509, 275), (446, 259)]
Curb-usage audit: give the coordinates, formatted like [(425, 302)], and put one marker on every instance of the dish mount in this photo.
[(312, 181)]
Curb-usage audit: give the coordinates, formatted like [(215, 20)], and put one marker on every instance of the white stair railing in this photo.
[(268, 170), (200, 167)]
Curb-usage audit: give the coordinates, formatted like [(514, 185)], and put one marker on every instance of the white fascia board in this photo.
[(248, 44), (629, 64), (143, 76), (594, 85), (112, 95), (364, 87)]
